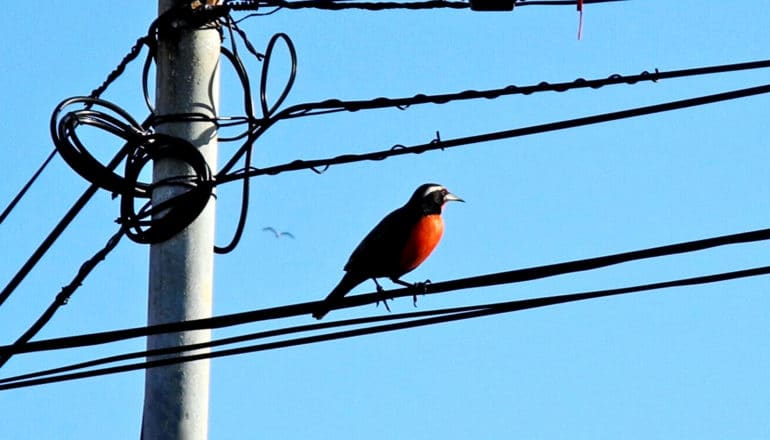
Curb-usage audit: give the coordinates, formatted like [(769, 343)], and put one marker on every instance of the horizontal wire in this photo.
[(543, 86), (561, 2), (336, 105), (508, 277), (9, 288), (439, 144), (238, 339), (381, 6), (424, 319), (336, 6)]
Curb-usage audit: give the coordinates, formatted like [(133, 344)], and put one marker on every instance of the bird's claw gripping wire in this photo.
[(382, 296), (419, 289)]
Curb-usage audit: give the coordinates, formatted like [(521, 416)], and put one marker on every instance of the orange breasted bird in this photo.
[(397, 245)]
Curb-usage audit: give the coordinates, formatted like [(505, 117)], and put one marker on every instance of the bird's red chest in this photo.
[(423, 239)]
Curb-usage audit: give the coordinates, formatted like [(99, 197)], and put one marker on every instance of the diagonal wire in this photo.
[(56, 232), (26, 187), (66, 292)]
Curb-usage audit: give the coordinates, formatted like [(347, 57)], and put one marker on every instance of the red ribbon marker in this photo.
[(580, 23)]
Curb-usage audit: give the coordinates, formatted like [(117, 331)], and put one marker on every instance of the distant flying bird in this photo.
[(278, 234), (397, 245)]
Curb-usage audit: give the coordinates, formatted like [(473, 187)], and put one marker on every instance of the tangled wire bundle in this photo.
[(153, 222)]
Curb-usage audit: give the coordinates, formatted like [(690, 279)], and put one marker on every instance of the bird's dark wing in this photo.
[(287, 234), (379, 253)]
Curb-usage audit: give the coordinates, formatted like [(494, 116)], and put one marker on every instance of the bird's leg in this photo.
[(381, 292), (418, 288)]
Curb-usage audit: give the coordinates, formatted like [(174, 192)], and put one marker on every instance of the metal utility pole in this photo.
[(181, 268)]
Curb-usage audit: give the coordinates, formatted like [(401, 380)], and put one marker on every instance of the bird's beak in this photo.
[(449, 197)]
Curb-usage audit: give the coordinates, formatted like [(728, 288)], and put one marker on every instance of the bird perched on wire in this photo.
[(278, 234), (398, 244)]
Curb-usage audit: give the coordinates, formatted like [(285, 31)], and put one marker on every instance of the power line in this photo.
[(66, 292), (337, 6), (26, 187), (499, 278), (54, 234), (92, 189), (413, 320), (336, 105), (245, 5), (78, 157), (440, 144), (436, 143)]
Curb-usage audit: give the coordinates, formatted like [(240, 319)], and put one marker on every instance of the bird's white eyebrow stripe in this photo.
[(431, 189)]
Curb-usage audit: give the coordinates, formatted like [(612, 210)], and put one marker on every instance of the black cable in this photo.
[(561, 2), (336, 6), (105, 116), (136, 49), (543, 86), (438, 317), (102, 176), (56, 232), (65, 294), (439, 144), (335, 105), (331, 5), (240, 69), (509, 277), (26, 187), (92, 189), (96, 93), (238, 339), (267, 109)]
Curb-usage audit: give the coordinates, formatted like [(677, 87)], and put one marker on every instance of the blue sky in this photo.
[(680, 363)]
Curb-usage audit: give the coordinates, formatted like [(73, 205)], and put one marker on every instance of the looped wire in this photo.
[(321, 171), (157, 222), (256, 126), (69, 145), (267, 110), (437, 140), (154, 222)]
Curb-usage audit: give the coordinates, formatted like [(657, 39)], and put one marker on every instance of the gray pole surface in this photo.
[(176, 398)]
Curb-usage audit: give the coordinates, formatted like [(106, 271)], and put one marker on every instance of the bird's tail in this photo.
[(346, 284)]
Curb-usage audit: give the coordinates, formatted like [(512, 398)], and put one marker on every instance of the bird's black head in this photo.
[(430, 198)]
